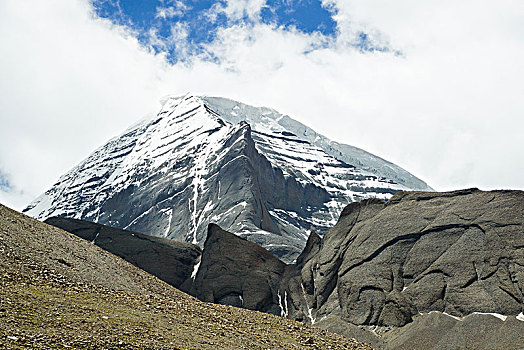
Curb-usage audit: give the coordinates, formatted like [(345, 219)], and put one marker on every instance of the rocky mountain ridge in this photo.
[(171, 261), (251, 170)]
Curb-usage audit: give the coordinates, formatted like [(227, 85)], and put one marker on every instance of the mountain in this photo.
[(201, 160), (422, 270), (59, 291)]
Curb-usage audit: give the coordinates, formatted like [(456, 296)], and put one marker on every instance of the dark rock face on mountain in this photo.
[(458, 253), (171, 261), (200, 160), (383, 263), (237, 272)]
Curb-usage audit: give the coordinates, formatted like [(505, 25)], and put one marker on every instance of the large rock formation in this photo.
[(237, 272), (457, 252), (384, 263)]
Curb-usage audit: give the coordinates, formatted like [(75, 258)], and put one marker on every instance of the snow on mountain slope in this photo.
[(268, 120), (202, 160)]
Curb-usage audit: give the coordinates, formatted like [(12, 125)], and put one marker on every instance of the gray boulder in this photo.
[(237, 272)]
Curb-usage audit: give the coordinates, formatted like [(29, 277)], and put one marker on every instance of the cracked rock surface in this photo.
[(456, 252)]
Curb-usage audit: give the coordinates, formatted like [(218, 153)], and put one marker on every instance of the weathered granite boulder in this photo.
[(171, 261)]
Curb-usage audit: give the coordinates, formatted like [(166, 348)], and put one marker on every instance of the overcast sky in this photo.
[(436, 87)]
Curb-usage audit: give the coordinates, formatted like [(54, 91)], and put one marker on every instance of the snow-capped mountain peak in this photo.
[(199, 160)]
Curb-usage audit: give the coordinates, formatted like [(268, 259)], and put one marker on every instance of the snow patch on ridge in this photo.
[(499, 316), (309, 309), (195, 270), (283, 308), (494, 314), (170, 214)]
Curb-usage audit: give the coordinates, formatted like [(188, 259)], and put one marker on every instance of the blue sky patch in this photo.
[(198, 20), (308, 16)]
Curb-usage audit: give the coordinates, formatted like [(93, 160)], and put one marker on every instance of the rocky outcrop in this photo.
[(237, 272), (171, 261), (384, 262)]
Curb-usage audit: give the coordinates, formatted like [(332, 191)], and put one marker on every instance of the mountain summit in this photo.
[(204, 160)]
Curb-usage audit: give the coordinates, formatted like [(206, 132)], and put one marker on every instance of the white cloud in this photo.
[(457, 88), (167, 12), (237, 10), (449, 109), (69, 82), (178, 40), (172, 9)]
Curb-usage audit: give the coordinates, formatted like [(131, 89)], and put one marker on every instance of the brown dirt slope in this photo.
[(60, 291), (169, 260)]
